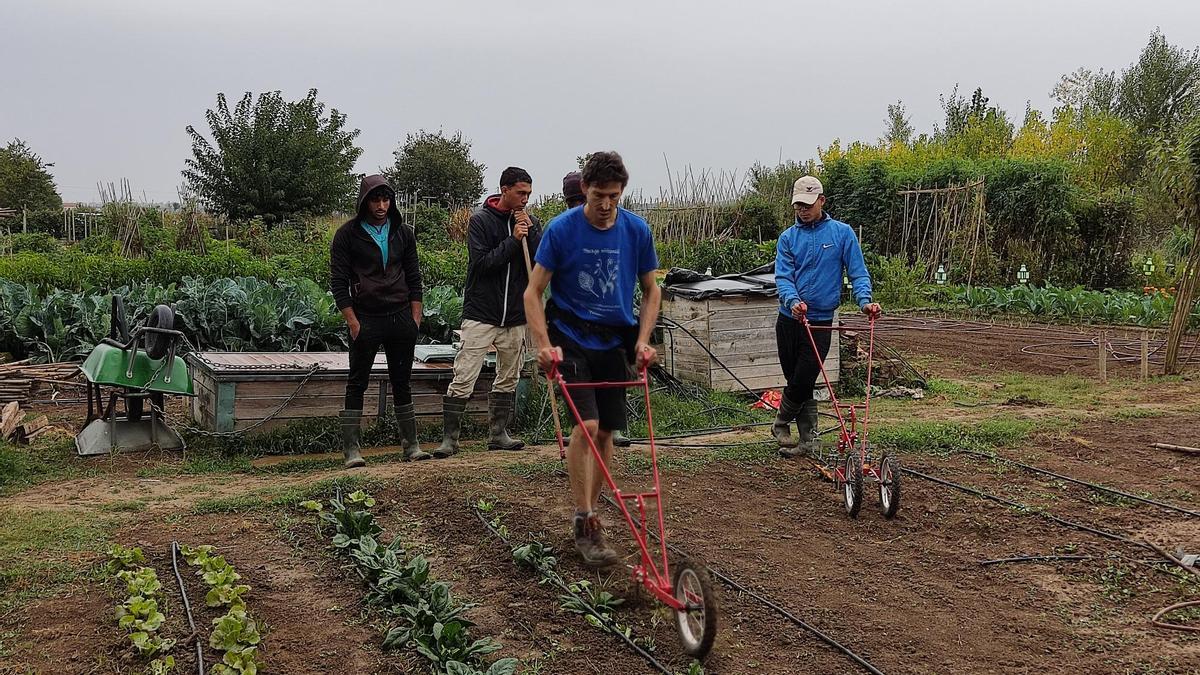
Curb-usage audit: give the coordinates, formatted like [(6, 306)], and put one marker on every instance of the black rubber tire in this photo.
[(157, 344), (852, 488), (135, 406), (693, 575), (119, 326), (889, 485)]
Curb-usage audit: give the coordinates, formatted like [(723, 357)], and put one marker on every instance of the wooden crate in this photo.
[(738, 330), (235, 390)]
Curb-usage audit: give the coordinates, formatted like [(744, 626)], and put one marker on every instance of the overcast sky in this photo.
[(105, 88)]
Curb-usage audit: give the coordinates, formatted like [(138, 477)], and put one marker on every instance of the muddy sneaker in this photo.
[(589, 541)]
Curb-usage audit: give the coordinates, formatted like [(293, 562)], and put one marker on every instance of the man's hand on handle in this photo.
[(548, 357), (799, 309), (521, 226), (646, 355), (872, 309)]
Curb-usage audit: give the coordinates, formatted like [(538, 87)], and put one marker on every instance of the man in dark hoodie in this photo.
[(376, 281), (493, 310)]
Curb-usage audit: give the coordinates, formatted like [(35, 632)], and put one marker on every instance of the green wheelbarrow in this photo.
[(136, 368)]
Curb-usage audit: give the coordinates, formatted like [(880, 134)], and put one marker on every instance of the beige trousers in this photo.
[(476, 339)]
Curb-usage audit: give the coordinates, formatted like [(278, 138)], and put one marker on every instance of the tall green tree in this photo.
[(439, 167), (1177, 166), (899, 125), (1161, 90), (24, 180), (273, 158)]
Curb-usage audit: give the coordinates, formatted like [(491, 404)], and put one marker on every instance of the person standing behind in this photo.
[(809, 260), (493, 310), (375, 280)]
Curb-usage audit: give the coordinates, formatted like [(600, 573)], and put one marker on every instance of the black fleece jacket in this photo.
[(357, 276), (496, 276)]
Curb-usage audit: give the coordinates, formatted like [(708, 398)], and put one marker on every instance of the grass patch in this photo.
[(943, 438), (952, 390), (274, 498), (535, 469), (25, 466), (1061, 390), (757, 452), (40, 551), (130, 506), (1138, 413)]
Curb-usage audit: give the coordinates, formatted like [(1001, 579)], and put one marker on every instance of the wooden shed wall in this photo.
[(740, 331)]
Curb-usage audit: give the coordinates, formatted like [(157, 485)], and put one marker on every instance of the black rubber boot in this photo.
[(620, 440), (351, 431), (781, 430), (406, 419), (806, 428), (452, 413), (500, 409)]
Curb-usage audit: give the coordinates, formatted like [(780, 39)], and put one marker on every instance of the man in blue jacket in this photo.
[(810, 257)]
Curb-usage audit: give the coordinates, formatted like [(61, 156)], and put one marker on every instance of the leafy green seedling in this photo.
[(361, 497), (122, 558), (244, 661), (143, 581), (161, 666), (312, 505), (196, 556), (227, 595), (235, 631)]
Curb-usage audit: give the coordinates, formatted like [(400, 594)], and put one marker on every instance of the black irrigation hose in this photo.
[(796, 620), (1093, 486), (1022, 507), (1053, 558), (702, 432), (712, 356), (729, 581), (649, 658), (187, 607)]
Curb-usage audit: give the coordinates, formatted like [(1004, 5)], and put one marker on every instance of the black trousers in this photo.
[(397, 333), (800, 365)]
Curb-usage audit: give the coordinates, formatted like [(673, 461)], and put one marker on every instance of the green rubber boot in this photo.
[(351, 432), (452, 414), (406, 419)]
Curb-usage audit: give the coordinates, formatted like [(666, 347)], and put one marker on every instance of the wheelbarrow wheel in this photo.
[(158, 344), (119, 325), (889, 485), (852, 488), (697, 624), (135, 406)]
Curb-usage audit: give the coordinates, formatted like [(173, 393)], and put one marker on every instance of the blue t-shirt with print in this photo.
[(596, 271), (380, 235)]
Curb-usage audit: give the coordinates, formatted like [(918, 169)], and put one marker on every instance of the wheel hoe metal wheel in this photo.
[(697, 624), (889, 485), (852, 489)]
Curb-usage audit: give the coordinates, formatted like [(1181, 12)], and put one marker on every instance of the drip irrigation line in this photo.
[(671, 323), (1158, 623), (707, 445), (703, 432), (1025, 508), (1067, 558), (730, 582), (1036, 558), (558, 582), (187, 607), (1093, 486)]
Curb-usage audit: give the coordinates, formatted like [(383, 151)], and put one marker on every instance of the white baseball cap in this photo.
[(806, 190)]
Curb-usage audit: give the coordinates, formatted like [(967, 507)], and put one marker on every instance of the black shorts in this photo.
[(581, 364)]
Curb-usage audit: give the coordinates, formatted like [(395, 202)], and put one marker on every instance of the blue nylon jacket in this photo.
[(809, 260)]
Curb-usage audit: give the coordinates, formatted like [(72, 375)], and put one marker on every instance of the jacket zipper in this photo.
[(507, 272)]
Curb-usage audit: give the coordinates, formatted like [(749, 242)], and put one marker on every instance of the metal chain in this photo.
[(241, 432)]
